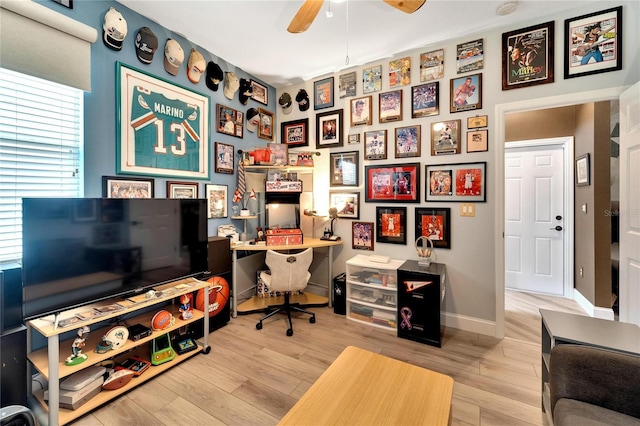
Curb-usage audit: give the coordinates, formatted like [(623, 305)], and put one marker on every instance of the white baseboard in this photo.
[(473, 325), (589, 308)]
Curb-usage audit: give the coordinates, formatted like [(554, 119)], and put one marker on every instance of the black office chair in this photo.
[(17, 415)]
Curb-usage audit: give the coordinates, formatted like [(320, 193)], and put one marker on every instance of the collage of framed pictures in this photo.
[(462, 182), (398, 183), (434, 223), (344, 168), (392, 225), (182, 189), (229, 121), (295, 133), (347, 203), (329, 129)]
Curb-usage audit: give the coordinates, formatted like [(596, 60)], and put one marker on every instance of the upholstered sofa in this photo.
[(592, 386)]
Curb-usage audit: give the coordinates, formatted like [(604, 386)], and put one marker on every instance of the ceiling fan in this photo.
[(310, 8)]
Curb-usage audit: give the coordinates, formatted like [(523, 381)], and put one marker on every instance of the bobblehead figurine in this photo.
[(186, 311), (77, 356)]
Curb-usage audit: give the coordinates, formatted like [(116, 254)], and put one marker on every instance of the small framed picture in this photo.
[(280, 153), (470, 56), (397, 183), (347, 203), (432, 65), (323, 93), (425, 100), (230, 121), (362, 236), (347, 85), (260, 92), (182, 189), (466, 93), (120, 187), (372, 79), (408, 141), (295, 133), (329, 129), (434, 223), (265, 127), (293, 158), (216, 196), (224, 158), (445, 137), (361, 111), (477, 122), (400, 72), (375, 145), (353, 139), (583, 174), (390, 106), (392, 225), (344, 168), (477, 140), (463, 182)]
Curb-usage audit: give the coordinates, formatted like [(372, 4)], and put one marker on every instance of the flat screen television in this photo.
[(78, 251), (282, 215)]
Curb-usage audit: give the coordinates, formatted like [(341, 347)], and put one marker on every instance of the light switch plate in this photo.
[(468, 209)]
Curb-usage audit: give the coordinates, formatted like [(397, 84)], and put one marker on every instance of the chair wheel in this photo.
[(259, 326), (289, 332), (312, 320)]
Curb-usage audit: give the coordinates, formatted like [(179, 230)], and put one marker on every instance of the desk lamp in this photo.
[(333, 214)]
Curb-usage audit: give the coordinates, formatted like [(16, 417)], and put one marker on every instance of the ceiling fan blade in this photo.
[(305, 16), (407, 6)]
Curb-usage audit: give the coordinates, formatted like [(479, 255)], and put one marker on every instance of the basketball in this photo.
[(218, 296)]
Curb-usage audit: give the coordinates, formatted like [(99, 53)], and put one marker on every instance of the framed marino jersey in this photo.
[(163, 128)]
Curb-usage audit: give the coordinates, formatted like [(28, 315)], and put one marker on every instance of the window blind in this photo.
[(40, 149)]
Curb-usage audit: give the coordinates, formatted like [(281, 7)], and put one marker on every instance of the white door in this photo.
[(534, 218), (630, 205)]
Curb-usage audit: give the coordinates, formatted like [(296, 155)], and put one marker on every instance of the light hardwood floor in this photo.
[(254, 377)]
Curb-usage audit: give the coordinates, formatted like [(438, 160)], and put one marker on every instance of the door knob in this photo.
[(558, 217), (557, 228)]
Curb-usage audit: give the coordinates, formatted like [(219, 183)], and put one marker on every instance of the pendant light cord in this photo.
[(346, 59)]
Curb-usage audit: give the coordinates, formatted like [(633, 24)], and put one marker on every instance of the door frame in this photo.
[(567, 145), (498, 159)]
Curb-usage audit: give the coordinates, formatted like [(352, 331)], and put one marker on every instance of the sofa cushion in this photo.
[(571, 412)]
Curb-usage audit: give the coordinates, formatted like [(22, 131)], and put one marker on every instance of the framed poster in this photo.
[(182, 189), (478, 140), (466, 93), (265, 127), (583, 177), (362, 236), (375, 145), (425, 100), (390, 106), (398, 183), (593, 43), (372, 79), (225, 158), (229, 121), (347, 203), (391, 226), (464, 182), (432, 65), (127, 187), (400, 72), (445, 137), (323, 93), (344, 168), (329, 129), (361, 111), (216, 196), (347, 85), (470, 56), (407, 141), (177, 144), (527, 56), (434, 223), (260, 92), (295, 133)]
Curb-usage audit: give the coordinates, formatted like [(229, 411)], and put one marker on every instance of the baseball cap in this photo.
[(114, 29), (285, 102), (245, 91), (253, 118), (146, 45), (303, 100), (173, 56), (196, 66), (231, 85), (214, 76)]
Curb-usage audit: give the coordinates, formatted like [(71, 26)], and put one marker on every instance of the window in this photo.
[(41, 136)]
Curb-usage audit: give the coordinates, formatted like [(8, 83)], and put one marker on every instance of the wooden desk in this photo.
[(365, 388), (308, 243)]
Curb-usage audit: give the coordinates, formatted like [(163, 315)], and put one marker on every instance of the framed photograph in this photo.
[(280, 153), (150, 150), (400, 72), (347, 203), (470, 56), (127, 187), (434, 223), (216, 196), (398, 183), (391, 226), (478, 140), (260, 92), (432, 65), (362, 235), (445, 137), (425, 100), (295, 133), (344, 168), (477, 122), (353, 139), (225, 158), (347, 85), (464, 182), (182, 189), (375, 145), (466, 93), (390, 106), (527, 56), (323, 93), (361, 111), (265, 127), (230, 121), (372, 79), (329, 129), (408, 141), (583, 175), (593, 43)]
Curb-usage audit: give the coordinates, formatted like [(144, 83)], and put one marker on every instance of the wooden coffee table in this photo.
[(362, 387)]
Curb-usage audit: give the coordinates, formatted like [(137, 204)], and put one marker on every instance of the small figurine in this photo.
[(261, 236), (77, 356), (186, 312)]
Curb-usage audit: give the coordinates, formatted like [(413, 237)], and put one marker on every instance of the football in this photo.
[(163, 319), (218, 296), (118, 379)]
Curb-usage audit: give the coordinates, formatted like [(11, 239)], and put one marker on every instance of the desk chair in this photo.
[(289, 272)]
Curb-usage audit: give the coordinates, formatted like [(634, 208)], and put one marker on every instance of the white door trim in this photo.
[(567, 144), (498, 184)]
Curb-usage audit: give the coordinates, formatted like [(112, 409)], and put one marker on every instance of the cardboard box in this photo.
[(283, 237)]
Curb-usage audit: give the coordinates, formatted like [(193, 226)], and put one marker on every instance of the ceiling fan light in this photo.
[(507, 8)]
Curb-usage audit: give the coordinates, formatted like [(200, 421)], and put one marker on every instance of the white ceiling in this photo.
[(252, 35)]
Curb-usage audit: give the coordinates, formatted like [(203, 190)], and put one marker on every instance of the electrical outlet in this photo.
[(468, 209)]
